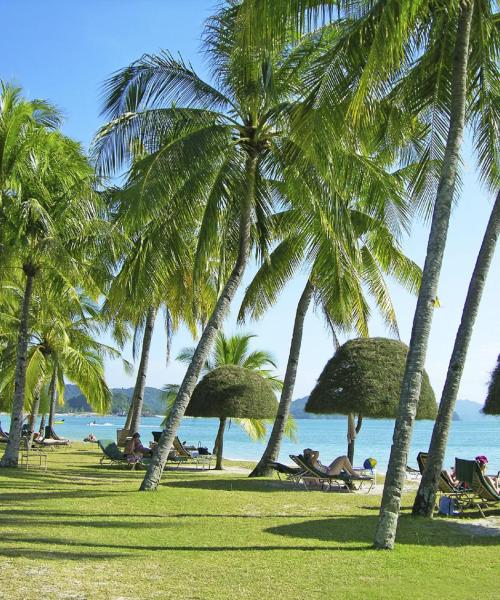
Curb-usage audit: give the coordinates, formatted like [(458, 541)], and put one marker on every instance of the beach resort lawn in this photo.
[(83, 531)]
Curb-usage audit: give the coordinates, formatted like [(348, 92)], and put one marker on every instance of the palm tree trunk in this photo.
[(140, 383), (42, 425), (155, 469), (34, 412), (128, 420), (410, 390), (219, 443), (272, 450), (53, 402), (11, 456), (425, 499), (351, 442)]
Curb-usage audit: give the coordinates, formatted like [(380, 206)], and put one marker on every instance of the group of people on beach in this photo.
[(135, 452)]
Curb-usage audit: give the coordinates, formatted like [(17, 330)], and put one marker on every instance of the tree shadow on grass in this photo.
[(56, 555), (19, 498), (96, 547), (90, 524), (230, 484), (360, 529)]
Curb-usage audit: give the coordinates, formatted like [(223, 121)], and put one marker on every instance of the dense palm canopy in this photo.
[(324, 125), (218, 159), (441, 59), (55, 237), (62, 341)]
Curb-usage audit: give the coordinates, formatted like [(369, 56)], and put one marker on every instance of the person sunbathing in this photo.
[(491, 479), (134, 450), (341, 463)]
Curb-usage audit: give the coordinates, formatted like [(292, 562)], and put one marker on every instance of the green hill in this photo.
[(297, 411), (75, 401)]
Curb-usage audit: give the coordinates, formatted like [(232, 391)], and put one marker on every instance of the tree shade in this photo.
[(364, 377), (233, 392), (492, 404)]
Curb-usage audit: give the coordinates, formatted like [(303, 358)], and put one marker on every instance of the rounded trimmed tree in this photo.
[(364, 378), (232, 392), (492, 404)]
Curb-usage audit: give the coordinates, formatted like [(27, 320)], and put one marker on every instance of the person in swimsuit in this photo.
[(341, 463)]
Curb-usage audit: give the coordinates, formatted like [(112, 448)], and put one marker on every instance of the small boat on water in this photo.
[(61, 422)]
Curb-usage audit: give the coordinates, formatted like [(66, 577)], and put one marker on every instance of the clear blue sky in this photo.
[(62, 51)]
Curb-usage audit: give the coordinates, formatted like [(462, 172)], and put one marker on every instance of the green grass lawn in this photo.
[(83, 531)]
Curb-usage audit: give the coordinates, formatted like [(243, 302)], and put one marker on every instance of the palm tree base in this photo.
[(261, 470)]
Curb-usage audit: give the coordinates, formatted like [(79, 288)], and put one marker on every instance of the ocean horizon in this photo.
[(467, 438)]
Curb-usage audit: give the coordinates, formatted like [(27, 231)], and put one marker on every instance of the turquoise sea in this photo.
[(467, 438)]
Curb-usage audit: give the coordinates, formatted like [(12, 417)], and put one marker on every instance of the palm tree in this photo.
[(20, 122), (155, 277), (49, 222), (336, 283), (62, 346), (210, 155), (461, 71), (442, 61), (235, 350), (425, 499)]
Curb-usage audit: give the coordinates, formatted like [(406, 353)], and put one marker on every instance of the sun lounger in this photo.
[(32, 451), (4, 436), (340, 481), (470, 473), (114, 456), (50, 434), (51, 443), (191, 456), (464, 498), (286, 473), (412, 473)]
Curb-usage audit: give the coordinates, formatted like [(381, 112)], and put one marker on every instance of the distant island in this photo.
[(75, 402)]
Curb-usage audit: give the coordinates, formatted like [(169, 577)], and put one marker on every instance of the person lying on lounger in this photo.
[(491, 479), (341, 463)]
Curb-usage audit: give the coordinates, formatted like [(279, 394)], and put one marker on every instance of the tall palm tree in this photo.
[(235, 350), (442, 61), (49, 223), (425, 499), (155, 276), (336, 282), (212, 153)]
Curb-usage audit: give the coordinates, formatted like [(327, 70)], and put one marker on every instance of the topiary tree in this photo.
[(232, 392), (364, 378), (492, 404)]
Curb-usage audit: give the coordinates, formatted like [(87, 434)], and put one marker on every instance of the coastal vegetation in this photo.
[(323, 131)]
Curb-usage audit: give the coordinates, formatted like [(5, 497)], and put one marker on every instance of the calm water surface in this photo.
[(467, 438)]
